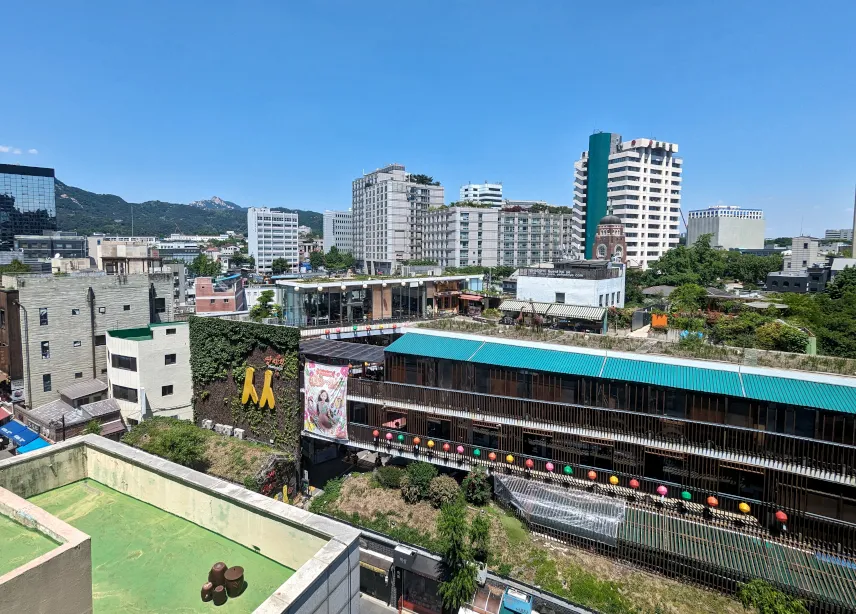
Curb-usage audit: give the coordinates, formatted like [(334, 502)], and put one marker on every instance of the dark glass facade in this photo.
[(27, 202)]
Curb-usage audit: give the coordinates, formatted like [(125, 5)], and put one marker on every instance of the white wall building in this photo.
[(640, 182), (388, 208), (593, 283), (839, 234), (731, 227), (338, 231), (148, 370), (531, 233), (271, 235), (253, 292), (461, 236), (485, 193), (804, 253)]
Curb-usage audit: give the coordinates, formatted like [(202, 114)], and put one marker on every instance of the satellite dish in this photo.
[(57, 256)]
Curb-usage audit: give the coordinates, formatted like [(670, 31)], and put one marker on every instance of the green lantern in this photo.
[(568, 470), (686, 496), (476, 452), (401, 438), (355, 328)]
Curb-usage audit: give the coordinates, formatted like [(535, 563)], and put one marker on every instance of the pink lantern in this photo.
[(389, 436), (662, 490), (549, 467), (529, 463), (368, 327), (338, 330), (460, 449)]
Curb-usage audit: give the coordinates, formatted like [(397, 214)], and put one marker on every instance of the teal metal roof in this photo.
[(553, 361), (715, 381), (431, 346), (800, 392)]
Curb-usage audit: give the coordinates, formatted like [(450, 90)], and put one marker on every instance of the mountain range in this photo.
[(87, 212)]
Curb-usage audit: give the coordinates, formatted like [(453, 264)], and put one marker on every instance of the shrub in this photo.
[(443, 489), (492, 313), (417, 480), (183, 444), (251, 483), (781, 337), (480, 536), (477, 488), (93, 427), (389, 477), (768, 600)]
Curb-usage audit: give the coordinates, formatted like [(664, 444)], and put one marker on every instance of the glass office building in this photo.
[(27, 202)]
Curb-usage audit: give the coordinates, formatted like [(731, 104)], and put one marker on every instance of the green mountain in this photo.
[(87, 212)]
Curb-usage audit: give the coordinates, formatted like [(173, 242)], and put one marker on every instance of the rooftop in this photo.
[(372, 280), (59, 410), (21, 544), (83, 389), (143, 333)]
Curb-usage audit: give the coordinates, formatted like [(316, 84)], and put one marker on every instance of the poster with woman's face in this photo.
[(325, 411)]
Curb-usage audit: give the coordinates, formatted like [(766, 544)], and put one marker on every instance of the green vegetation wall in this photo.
[(220, 352)]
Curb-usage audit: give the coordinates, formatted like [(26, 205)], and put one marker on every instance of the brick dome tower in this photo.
[(609, 242)]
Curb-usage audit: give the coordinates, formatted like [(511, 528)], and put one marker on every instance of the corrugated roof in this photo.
[(580, 312), (674, 376), (357, 352), (525, 306), (83, 388), (800, 392), (553, 361), (432, 346)]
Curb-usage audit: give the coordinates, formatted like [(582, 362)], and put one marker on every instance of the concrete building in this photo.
[(272, 235), (639, 181), (591, 283), (50, 243), (839, 234), (484, 193), (610, 242), (64, 320), (801, 281), (731, 227), (254, 291), (178, 250), (805, 253), (389, 207), (149, 371), (338, 231), (461, 236), (126, 238), (124, 258), (224, 296), (531, 233)]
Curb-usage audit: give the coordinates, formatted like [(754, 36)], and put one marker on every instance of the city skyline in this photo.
[(280, 129)]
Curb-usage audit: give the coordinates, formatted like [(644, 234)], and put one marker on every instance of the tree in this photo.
[(687, 298), (316, 260), (240, 259), (458, 577), (93, 427), (279, 266), (263, 308), (417, 480), (442, 490), (16, 266), (476, 486), (480, 537), (203, 266), (768, 600), (844, 281), (781, 337)]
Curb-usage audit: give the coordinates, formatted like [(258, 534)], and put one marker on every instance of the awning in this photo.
[(375, 561), (525, 306), (35, 444), (24, 436), (4, 413), (579, 312), (470, 297), (11, 428), (342, 350), (110, 428)]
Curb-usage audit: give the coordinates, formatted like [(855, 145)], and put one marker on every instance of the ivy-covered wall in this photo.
[(220, 352)]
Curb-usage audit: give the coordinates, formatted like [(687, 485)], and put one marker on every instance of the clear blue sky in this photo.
[(285, 103)]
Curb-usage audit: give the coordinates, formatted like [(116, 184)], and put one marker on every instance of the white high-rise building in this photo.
[(389, 207), (731, 227), (534, 233), (461, 236), (271, 235), (839, 234), (640, 182), (486, 193), (338, 231)]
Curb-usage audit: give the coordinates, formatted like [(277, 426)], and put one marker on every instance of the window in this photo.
[(75, 344), (100, 340), (75, 312), (46, 382), (125, 394), (103, 370), (78, 375), (166, 390), (128, 363), (46, 349), (805, 245), (160, 305), (126, 308), (560, 297), (43, 316), (169, 359), (2, 318), (102, 310)]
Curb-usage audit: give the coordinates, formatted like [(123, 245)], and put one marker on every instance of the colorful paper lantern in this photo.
[(369, 327), (592, 475), (634, 483), (613, 479), (401, 438), (744, 507), (476, 452), (355, 328), (459, 449), (430, 443), (338, 330), (686, 496), (568, 470), (509, 459), (712, 501), (394, 326), (376, 433), (530, 463), (549, 467), (492, 456), (781, 516), (446, 447), (416, 441), (662, 490), (327, 331), (389, 436)]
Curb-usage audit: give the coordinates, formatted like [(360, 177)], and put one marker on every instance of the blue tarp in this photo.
[(35, 444), (24, 436), (11, 428)]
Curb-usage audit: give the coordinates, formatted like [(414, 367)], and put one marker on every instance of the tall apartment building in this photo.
[(485, 193), (338, 231), (839, 234), (389, 206), (27, 202), (271, 235), (461, 236), (64, 320), (731, 227), (532, 233), (640, 182)]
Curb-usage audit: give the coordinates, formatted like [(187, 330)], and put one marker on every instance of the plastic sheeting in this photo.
[(574, 512)]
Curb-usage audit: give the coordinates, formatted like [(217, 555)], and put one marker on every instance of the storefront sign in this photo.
[(325, 406)]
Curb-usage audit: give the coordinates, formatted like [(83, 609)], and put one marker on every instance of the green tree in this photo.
[(264, 307), (417, 481), (16, 266), (687, 298), (476, 486), (781, 337), (480, 537), (240, 259), (442, 490), (458, 579), (203, 266), (767, 599), (316, 260), (279, 266), (844, 281), (93, 427)]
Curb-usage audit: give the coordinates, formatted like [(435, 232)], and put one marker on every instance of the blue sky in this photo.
[(285, 103)]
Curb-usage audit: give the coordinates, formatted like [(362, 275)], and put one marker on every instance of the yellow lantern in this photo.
[(744, 507), (430, 443), (613, 480), (509, 459)]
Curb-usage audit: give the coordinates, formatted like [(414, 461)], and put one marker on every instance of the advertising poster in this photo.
[(325, 411)]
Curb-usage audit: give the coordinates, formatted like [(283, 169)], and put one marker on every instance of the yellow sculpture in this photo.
[(267, 391), (249, 388)]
